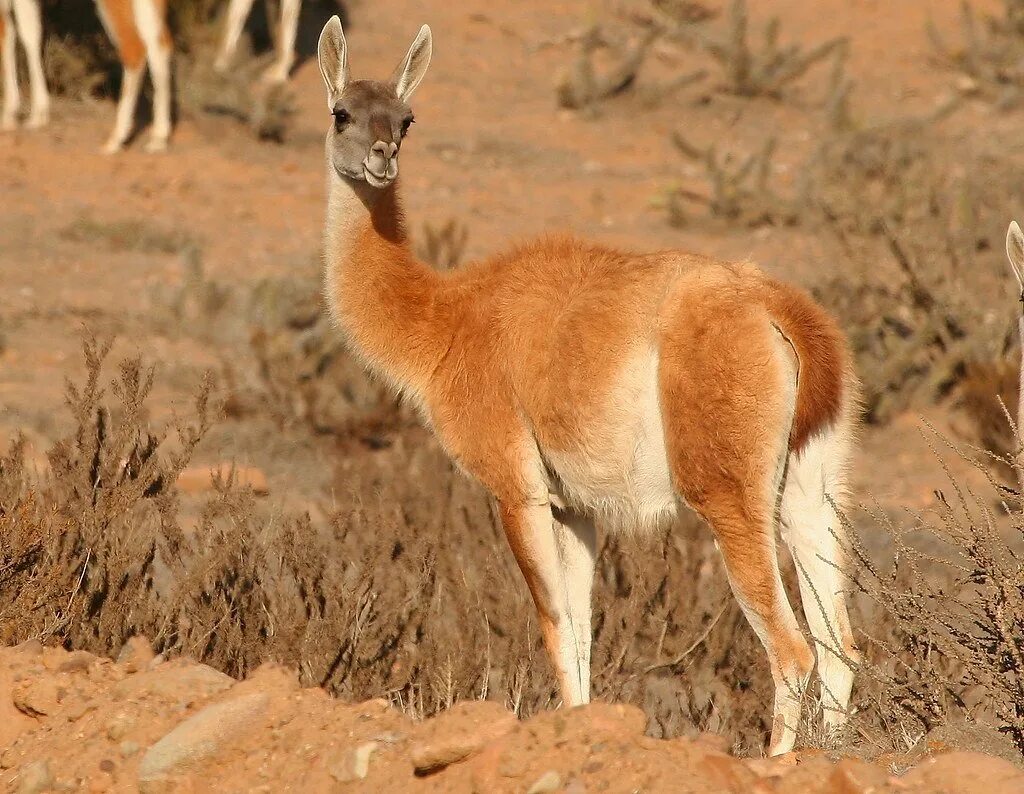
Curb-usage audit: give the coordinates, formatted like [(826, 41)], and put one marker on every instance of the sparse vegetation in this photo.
[(989, 52), (749, 70)]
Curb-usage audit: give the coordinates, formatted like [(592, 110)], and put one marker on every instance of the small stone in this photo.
[(35, 778), (128, 748), (549, 781), (136, 654), (361, 759), (119, 726), (78, 708), (8, 758), (36, 697), (108, 766), (459, 733), (356, 766)]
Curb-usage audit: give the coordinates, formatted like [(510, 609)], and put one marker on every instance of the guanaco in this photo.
[(583, 385)]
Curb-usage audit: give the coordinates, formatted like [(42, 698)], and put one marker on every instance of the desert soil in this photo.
[(71, 721)]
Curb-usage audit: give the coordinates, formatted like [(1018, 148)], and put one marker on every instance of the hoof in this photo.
[(155, 145)]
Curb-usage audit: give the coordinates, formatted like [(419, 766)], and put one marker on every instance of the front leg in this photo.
[(530, 529)]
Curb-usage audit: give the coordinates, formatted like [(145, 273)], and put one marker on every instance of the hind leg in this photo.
[(280, 69), (728, 391), (746, 538), (576, 538), (157, 41), (810, 529), (12, 95), (238, 11), (119, 21), (28, 17)]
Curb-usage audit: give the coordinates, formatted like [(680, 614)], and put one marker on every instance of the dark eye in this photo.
[(406, 124), (341, 117)]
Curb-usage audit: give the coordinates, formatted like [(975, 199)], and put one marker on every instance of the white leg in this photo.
[(531, 535), (131, 82), (30, 29), (576, 537), (238, 12), (12, 95), (279, 71), (808, 521), (158, 54)]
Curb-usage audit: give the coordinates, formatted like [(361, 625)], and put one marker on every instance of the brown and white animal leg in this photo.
[(238, 12), (576, 537), (728, 399), (12, 94), (811, 529), (288, 30), (28, 17), (150, 18), (529, 527), (119, 21)]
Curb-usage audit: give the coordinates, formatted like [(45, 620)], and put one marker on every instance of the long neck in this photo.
[(388, 303)]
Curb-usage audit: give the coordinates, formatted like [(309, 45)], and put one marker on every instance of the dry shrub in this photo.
[(748, 69), (948, 646), (989, 53), (405, 587)]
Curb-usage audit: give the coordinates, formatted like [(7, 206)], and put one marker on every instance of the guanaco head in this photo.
[(370, 117)]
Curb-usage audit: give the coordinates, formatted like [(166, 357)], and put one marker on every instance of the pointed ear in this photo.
[(332, 53), (411, 70), (1015, 252)]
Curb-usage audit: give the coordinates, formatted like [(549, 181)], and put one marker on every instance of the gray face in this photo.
[(370, 117), (369, 124)]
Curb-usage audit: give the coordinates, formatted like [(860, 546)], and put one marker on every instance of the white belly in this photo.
[(619, 471)]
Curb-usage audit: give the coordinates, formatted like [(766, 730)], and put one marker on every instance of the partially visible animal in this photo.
[(22, 19), (238, 11)]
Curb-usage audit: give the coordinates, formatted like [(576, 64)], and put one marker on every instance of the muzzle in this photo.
[(380, 167)]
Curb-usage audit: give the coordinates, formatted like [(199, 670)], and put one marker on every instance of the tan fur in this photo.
[(578, 382), (123, 33)]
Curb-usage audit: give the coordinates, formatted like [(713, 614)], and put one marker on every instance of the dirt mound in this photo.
[(74, 721)]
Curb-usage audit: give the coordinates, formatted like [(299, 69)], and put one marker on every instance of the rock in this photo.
[(36, 696), (356, 766), (459, 732), (202, 736), (179, 682), (35, 777), (13, 722), (549, 781), (78, 708), (965, 773), (199, 479), (136, 654), (853, 776)]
